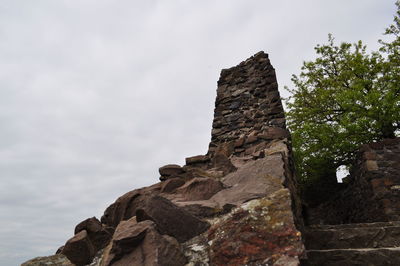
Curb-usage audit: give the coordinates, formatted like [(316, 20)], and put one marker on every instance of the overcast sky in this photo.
[(95, 95)]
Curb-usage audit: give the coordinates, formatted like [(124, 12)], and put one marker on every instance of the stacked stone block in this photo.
[(373, 190), (248, 109), (380, 168)]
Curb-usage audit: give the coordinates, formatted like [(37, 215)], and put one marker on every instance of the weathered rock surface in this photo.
[(354, 257), (353, 244), (259, 232), (98, 235), (172, 184), (140, 244), (359, 236), (55, 260), (255, 179), (170, 171), (170, 219), (198, 159), (79, 249), (125, 206), (200, 189)]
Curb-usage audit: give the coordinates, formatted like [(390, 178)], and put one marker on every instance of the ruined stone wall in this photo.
[(372, 193), (248, 109), (378, 168)]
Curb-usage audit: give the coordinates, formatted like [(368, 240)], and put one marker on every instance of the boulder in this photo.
[(170, 219), (197, 159), (253, 180), (128, 235), (98, 235), (55, 260), (172, 184), (79, 249), (204, 208), (169, 171), (200, 189), (137, 244), (59, 249), (125, 206), (91, 225), (222, 163), (259, 232)]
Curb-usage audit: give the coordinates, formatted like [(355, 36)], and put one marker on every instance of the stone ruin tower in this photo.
[(248, 116), (248, 109)]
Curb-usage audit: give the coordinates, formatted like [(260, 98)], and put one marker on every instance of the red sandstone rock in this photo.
[(90, 225), (55, 260), (200, 189), (79, 249), (274, 133), (171, 219), (252, 137), (98, 235), (138, 244), (172, 184), (260, 232), (222, 163), (125, 206), (201, 208), (197, 159), (240, 142), (253, 180), (171, 170)]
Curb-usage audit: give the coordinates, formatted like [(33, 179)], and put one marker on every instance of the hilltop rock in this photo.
[(97, 233), (79, 249), (170, 219), (200, 189), (170, 171), (259, 232), (235, 205), (140, 244)]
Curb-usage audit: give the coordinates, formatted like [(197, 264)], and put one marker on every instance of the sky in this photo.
[(96, 95)]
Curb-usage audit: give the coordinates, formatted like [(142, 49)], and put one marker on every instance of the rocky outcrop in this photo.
[(55, 260), (170, 219), (235, 205), (139, 243), (258, 232)]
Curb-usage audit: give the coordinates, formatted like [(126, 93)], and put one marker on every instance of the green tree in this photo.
[(344, 98)]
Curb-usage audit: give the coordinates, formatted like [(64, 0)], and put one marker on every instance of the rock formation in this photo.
[(236, 205)]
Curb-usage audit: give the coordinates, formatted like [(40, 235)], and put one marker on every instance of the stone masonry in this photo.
[(248, 109), (372, 192), (360, 225)]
